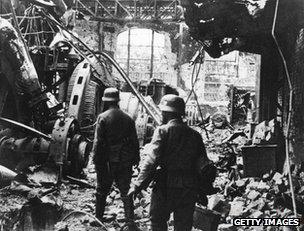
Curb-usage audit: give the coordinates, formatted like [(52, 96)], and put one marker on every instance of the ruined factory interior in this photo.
[(82, 80)]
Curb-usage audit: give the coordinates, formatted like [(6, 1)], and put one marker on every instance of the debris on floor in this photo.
[(74, 203), (251, 197)]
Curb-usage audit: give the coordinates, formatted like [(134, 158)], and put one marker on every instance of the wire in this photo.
[(193, 82), (190, 93), (197, 103), (289, 109)]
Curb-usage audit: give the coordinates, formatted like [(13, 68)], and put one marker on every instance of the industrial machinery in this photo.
[(42, 115), (50, 93), (152, 91)]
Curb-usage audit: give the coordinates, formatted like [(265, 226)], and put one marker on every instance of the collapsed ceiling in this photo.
[(226, 25)]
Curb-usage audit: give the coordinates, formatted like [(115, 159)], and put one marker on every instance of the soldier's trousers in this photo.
[(121, 174), (177, 200)]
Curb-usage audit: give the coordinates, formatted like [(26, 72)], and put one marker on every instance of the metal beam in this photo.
[(105, 8), (120, 20), (86, 8), (155, 115), (124, 8), (147, 11)]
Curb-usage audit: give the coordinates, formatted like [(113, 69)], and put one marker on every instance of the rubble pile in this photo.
[(224, 148), (10, 206), (249, 197), (74, 203)]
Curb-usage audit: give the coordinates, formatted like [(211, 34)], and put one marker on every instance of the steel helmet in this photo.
[(110, 94), (172, 103)]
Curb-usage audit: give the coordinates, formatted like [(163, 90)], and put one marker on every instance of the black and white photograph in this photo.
[(151, 115)]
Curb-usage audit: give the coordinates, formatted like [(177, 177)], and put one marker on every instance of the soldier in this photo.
[(172, 161), (116, 150)]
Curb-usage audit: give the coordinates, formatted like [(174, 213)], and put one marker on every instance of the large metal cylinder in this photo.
[(18, 154)]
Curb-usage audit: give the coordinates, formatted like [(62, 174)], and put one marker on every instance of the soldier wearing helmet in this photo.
[(172, 162), (116, 150)]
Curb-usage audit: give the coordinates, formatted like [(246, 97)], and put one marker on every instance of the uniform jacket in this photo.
[(115, 138), (177, 149)]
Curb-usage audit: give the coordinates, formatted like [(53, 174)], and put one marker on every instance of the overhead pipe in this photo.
[(289, 107), (155, 115), (133, 88)]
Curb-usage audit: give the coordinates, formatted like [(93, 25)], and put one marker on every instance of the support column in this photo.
[(179, 57), (101, 36), (129, 49), (152, 55)]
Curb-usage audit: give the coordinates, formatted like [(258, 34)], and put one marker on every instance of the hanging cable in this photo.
[(190, 93), (197, 103), (289, 107), (193, 82)]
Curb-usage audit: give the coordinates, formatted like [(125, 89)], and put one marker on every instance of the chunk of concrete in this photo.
[(226, 227), (253, 195), (237, 208)]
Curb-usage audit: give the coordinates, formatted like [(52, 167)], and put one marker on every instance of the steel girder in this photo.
[(131, 11)]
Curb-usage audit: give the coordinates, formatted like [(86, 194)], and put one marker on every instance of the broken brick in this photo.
[(240, 183), (262, 186), (226, 227), (277, 178), (256, 214), (237, 208), (253, 195)]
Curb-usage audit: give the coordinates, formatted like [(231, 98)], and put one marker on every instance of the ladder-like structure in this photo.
[(123, 11)]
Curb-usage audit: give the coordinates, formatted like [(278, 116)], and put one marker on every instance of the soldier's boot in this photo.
[(100, 205), (129, 214)]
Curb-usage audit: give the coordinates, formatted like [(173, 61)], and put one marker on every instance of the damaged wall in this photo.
[(140, 63), (179, 46), (274, 86), (239, 69), (297, 73), (88, 32), (97, 35), (251, 31), (174, 49)]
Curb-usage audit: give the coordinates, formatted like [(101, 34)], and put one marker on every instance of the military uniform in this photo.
[(176, 150), (115, 150)]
